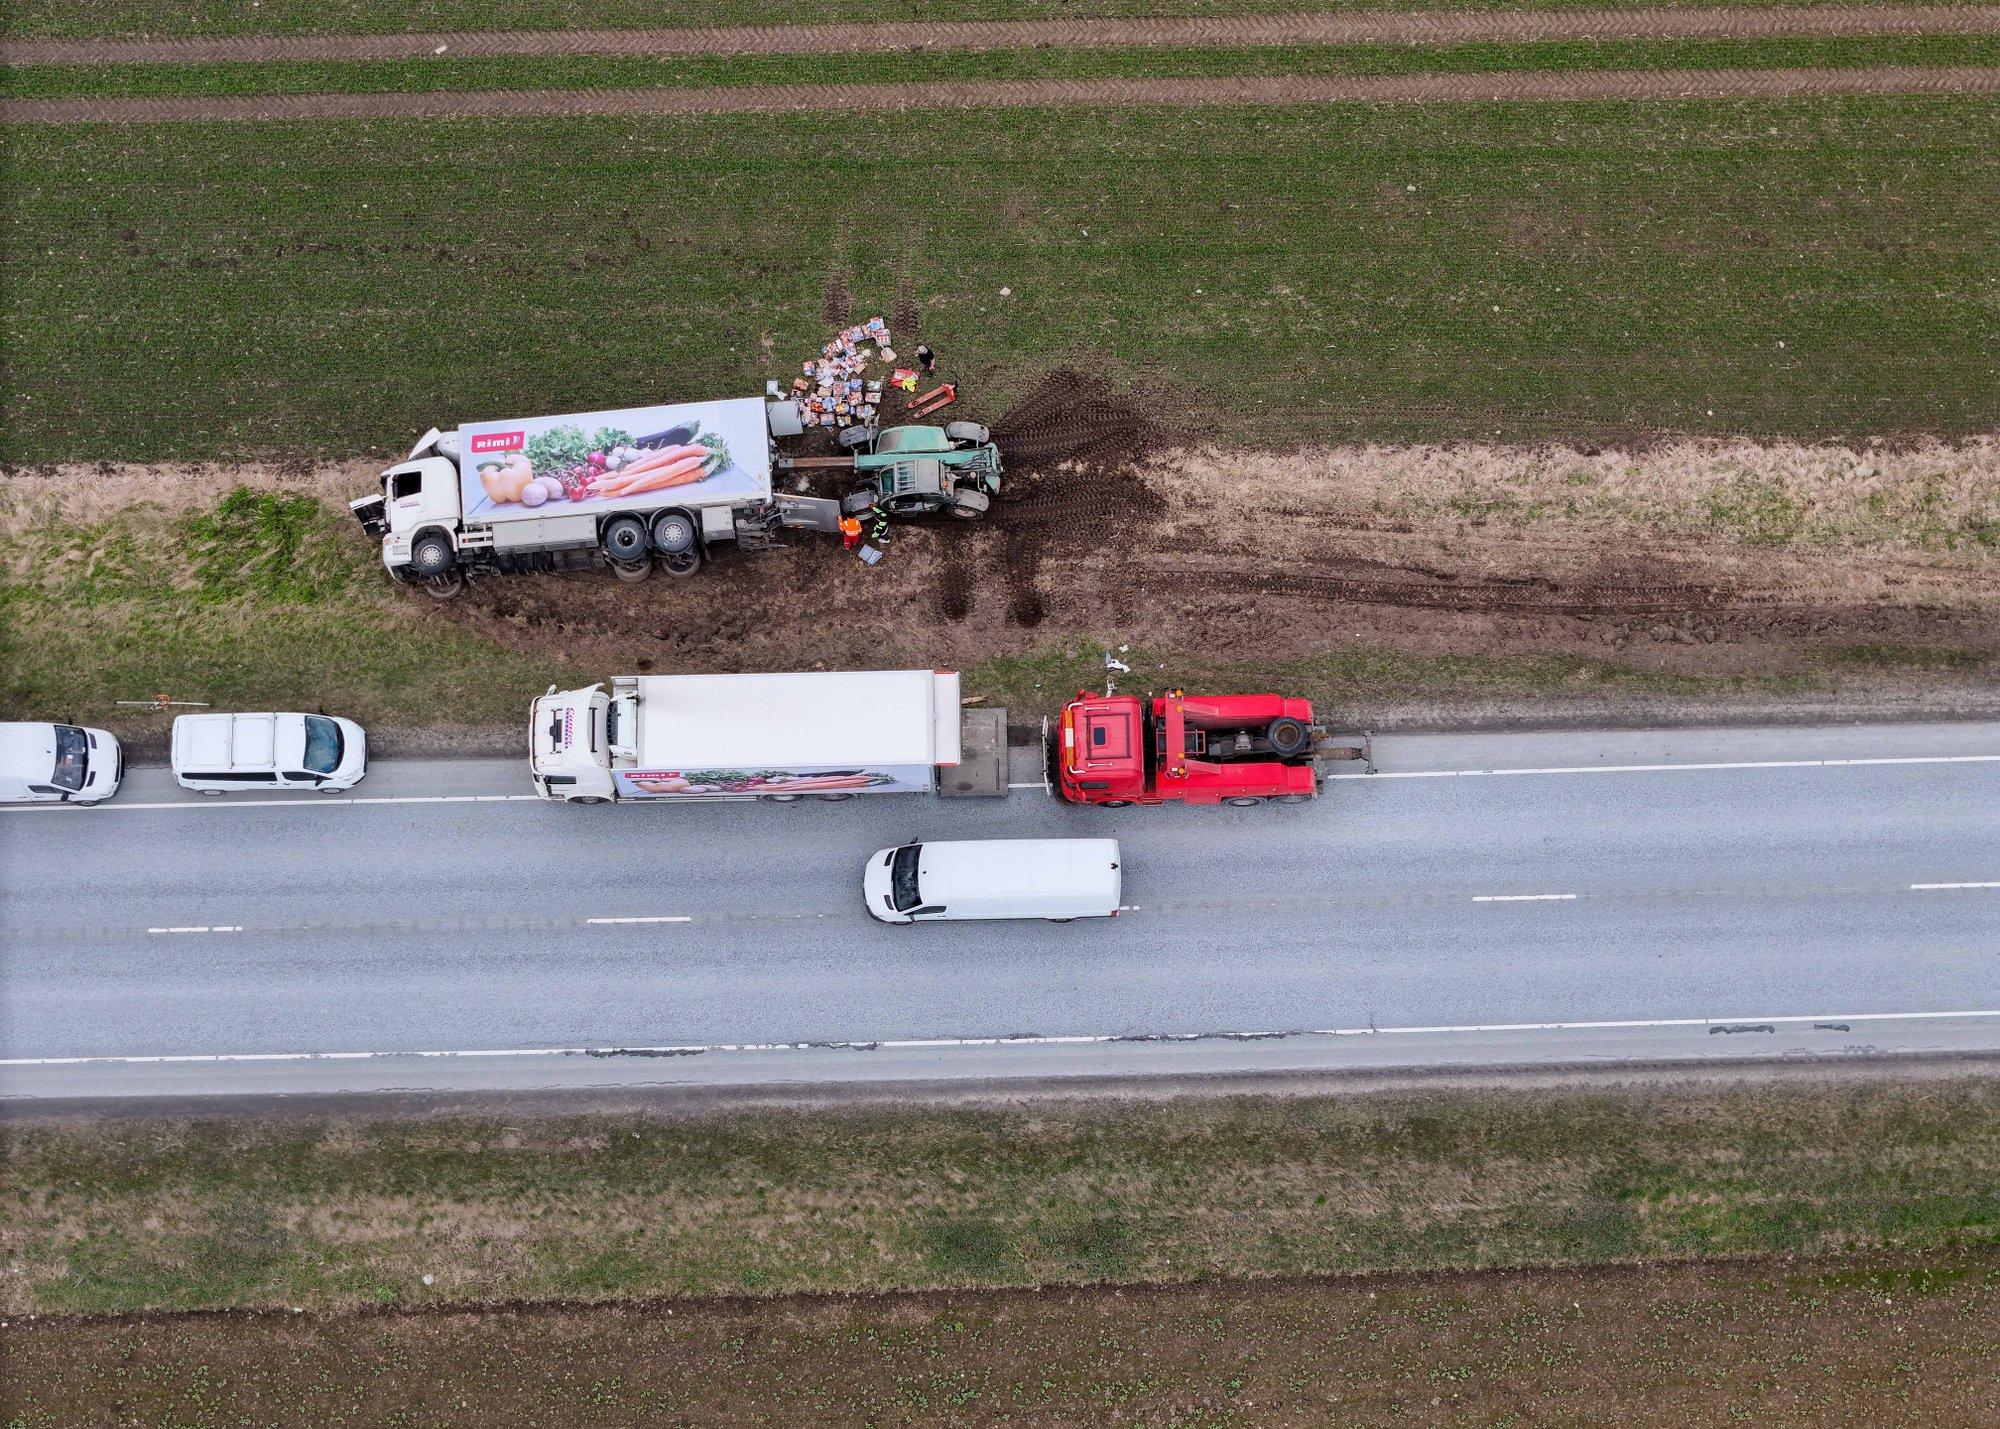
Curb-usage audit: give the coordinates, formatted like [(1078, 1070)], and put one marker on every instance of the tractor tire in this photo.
[(857, 503), (674, 532), (1289, 737), (970, 505), (854, 438), (631, 572), (625, 540), (432, 555), (969, 434)]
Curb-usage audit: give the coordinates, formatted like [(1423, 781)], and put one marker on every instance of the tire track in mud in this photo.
[(1418, 27), (1006, 94)]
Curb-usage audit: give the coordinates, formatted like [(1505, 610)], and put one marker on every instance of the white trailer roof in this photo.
[(842, 719)]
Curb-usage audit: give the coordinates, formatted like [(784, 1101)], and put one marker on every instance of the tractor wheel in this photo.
[(970, 505), (854, 438), (1289, 737), (624, 539), (857, 503), (969, 434)]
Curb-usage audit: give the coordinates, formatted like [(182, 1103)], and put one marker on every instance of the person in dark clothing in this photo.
[(927, 359)]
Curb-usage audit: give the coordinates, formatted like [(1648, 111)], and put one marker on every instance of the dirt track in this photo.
[(1237, 90), (1320, 29)]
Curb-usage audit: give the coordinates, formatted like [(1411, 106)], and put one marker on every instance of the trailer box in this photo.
[(776, 737)]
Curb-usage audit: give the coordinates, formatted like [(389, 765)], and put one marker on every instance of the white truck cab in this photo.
[(58, 764), (569, 745)]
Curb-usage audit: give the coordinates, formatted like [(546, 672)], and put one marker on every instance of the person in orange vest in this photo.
[(850, 533)]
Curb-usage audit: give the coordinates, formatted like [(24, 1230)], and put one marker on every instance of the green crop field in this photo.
[(158, 18), (1135, 62), (1810, 268)]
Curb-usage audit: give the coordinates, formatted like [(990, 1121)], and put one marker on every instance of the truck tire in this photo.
[(685, 563), (1293, 799), (431, 554), (969, 434), (833, 798), (631, 571), (588, 799), (446, 586), (674, 532), (1289, 737), (624, 539), (1243, 801)]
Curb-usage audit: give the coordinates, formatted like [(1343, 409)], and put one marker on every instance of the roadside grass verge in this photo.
[(331, 1211), (1813, 268), (155, 19), (693, 71), (267, 598), (260, 601), (1852, 1339)]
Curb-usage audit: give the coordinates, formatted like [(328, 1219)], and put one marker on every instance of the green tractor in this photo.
[(906, 472)]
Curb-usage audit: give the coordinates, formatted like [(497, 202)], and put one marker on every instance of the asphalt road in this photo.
[(1482, 899)]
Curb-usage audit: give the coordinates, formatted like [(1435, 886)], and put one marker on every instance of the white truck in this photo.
[(631, 486), (778, 738)]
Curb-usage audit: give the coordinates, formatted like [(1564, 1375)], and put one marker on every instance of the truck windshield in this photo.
[(903, 878), (72, 758), (323, 744)]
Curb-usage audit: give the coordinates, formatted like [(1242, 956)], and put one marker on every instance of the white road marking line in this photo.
[(1675, 768), (319, 803), (668, 919), (1526, 898), (1031, 784), (214, 928), (1025, 1040), (1920, 887)]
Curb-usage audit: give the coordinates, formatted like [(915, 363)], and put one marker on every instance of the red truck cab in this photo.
[(1116, 750)]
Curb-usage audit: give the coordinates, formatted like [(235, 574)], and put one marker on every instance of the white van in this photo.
[(58, 763), (1056, 879), (222, 753)]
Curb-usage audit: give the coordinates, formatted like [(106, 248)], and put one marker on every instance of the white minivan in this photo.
[(222, 753), (1056, 879), (58, 763)]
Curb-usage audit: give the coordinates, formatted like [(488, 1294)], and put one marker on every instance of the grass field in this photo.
[(305, 1210), (1333, 272), (1851, 1340), (161, 18), (695, 71)]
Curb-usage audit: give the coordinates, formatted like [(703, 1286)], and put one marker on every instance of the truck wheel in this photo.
[(777, 798), (446, 586), (624, 539), (588, 799), (1293, 799), (969, 434), (1243, 801), (673, 533), (431, 555), (630, 571), (832, 798), (1289, 737), (683, 563), (1114, 803)]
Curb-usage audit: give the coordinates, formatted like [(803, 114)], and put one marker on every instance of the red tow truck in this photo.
[(1114, 750)]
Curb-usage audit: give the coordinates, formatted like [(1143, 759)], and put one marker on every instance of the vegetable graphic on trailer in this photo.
[(630, 458)]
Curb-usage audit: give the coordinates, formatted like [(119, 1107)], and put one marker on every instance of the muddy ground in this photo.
[(1108, 530)]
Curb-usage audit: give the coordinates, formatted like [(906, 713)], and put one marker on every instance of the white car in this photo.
[(219, 753), (1055, 879), (58, 763)]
